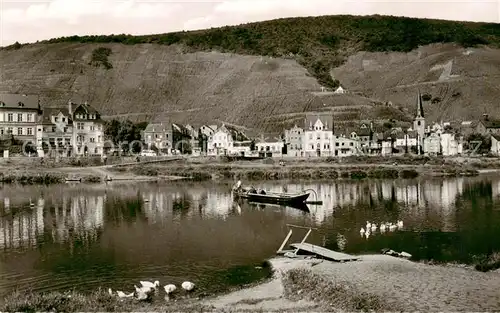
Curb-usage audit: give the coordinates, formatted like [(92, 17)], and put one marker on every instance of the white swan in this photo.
[(149, 284), (400, 224), (110, 291), (188, 286), (362, 231), (368, 225), (170, 288), (143, 293), (122, 294), (382, 227), (392, 227), (374, 227)]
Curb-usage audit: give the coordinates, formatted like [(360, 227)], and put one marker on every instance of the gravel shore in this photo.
[(401, 283)]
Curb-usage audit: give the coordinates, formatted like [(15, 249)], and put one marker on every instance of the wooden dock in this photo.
[(323, 252)]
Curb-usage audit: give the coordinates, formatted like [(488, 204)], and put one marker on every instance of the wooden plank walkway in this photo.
[(323, 252)]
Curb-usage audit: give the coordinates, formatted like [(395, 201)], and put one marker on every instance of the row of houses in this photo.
[(76, 129)]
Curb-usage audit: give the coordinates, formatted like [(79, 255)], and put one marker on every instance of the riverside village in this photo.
[(312, 164), (33, 129), (342, 223)]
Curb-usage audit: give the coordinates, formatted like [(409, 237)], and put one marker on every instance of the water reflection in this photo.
[(54, 236)]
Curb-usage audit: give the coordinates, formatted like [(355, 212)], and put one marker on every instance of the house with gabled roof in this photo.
[(492, 126), (294, 141), (88, 134), (318, 135), (495, 144), (158, 136), (19, 116), (204, 133), (228, 140), (56, 132), (270, 145)]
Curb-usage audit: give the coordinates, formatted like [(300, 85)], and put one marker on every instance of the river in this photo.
[(113, 235)]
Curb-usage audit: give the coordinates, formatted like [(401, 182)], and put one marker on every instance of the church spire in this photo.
[(420, 108)]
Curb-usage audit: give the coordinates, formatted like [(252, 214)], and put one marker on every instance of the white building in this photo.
[(270, 148), (88, 130), (432, 144), (340, 90), (318, 135), (227, 140), (450, 144), (345, 146), (495, 145)]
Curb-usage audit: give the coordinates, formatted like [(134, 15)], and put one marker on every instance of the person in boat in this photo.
[(252, 190), (237, 186), (262, 192)]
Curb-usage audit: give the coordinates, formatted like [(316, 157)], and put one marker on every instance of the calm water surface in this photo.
[(83, 237)]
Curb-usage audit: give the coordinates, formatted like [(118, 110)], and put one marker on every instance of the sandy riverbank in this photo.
[(375, 283)]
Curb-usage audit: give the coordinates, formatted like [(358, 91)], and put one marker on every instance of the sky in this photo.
[(31, 20)]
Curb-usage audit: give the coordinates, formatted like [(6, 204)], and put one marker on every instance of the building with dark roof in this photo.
[(19, 115), (88, 129), (318, 134), (159, 136), (57, 132)]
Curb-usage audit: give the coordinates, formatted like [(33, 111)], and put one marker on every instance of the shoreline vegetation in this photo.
[(300, 284), (216, 168)]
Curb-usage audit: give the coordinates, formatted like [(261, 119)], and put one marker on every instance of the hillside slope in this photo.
[(463, 83), (197, 77), (156, 82)]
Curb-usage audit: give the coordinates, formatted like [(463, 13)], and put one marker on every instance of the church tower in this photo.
[(419, 123)]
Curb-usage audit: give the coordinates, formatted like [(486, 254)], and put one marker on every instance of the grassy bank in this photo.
[(45, 178), (98, 301), (260, 171), (302, 283)]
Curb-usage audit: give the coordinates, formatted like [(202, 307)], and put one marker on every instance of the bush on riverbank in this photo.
[(98, 301), (489, 263), (303, 283), (32, 178), (245, 173)]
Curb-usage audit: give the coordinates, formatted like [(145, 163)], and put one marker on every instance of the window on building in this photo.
[(10, 117), (99, 139), (29, 117), (30, 131), (53, 129), (92, 128), (9, 130), (79, 126), (56, 119), (19, 131), (1, 130), (92, 139), (19, 117)]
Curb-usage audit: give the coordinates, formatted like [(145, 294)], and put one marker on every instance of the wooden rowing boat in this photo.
[(275, 198)]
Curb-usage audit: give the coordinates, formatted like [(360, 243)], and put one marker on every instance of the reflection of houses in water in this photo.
[(439, 195), (23, 228), (218, 203), (83, 216), (495, 189)]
